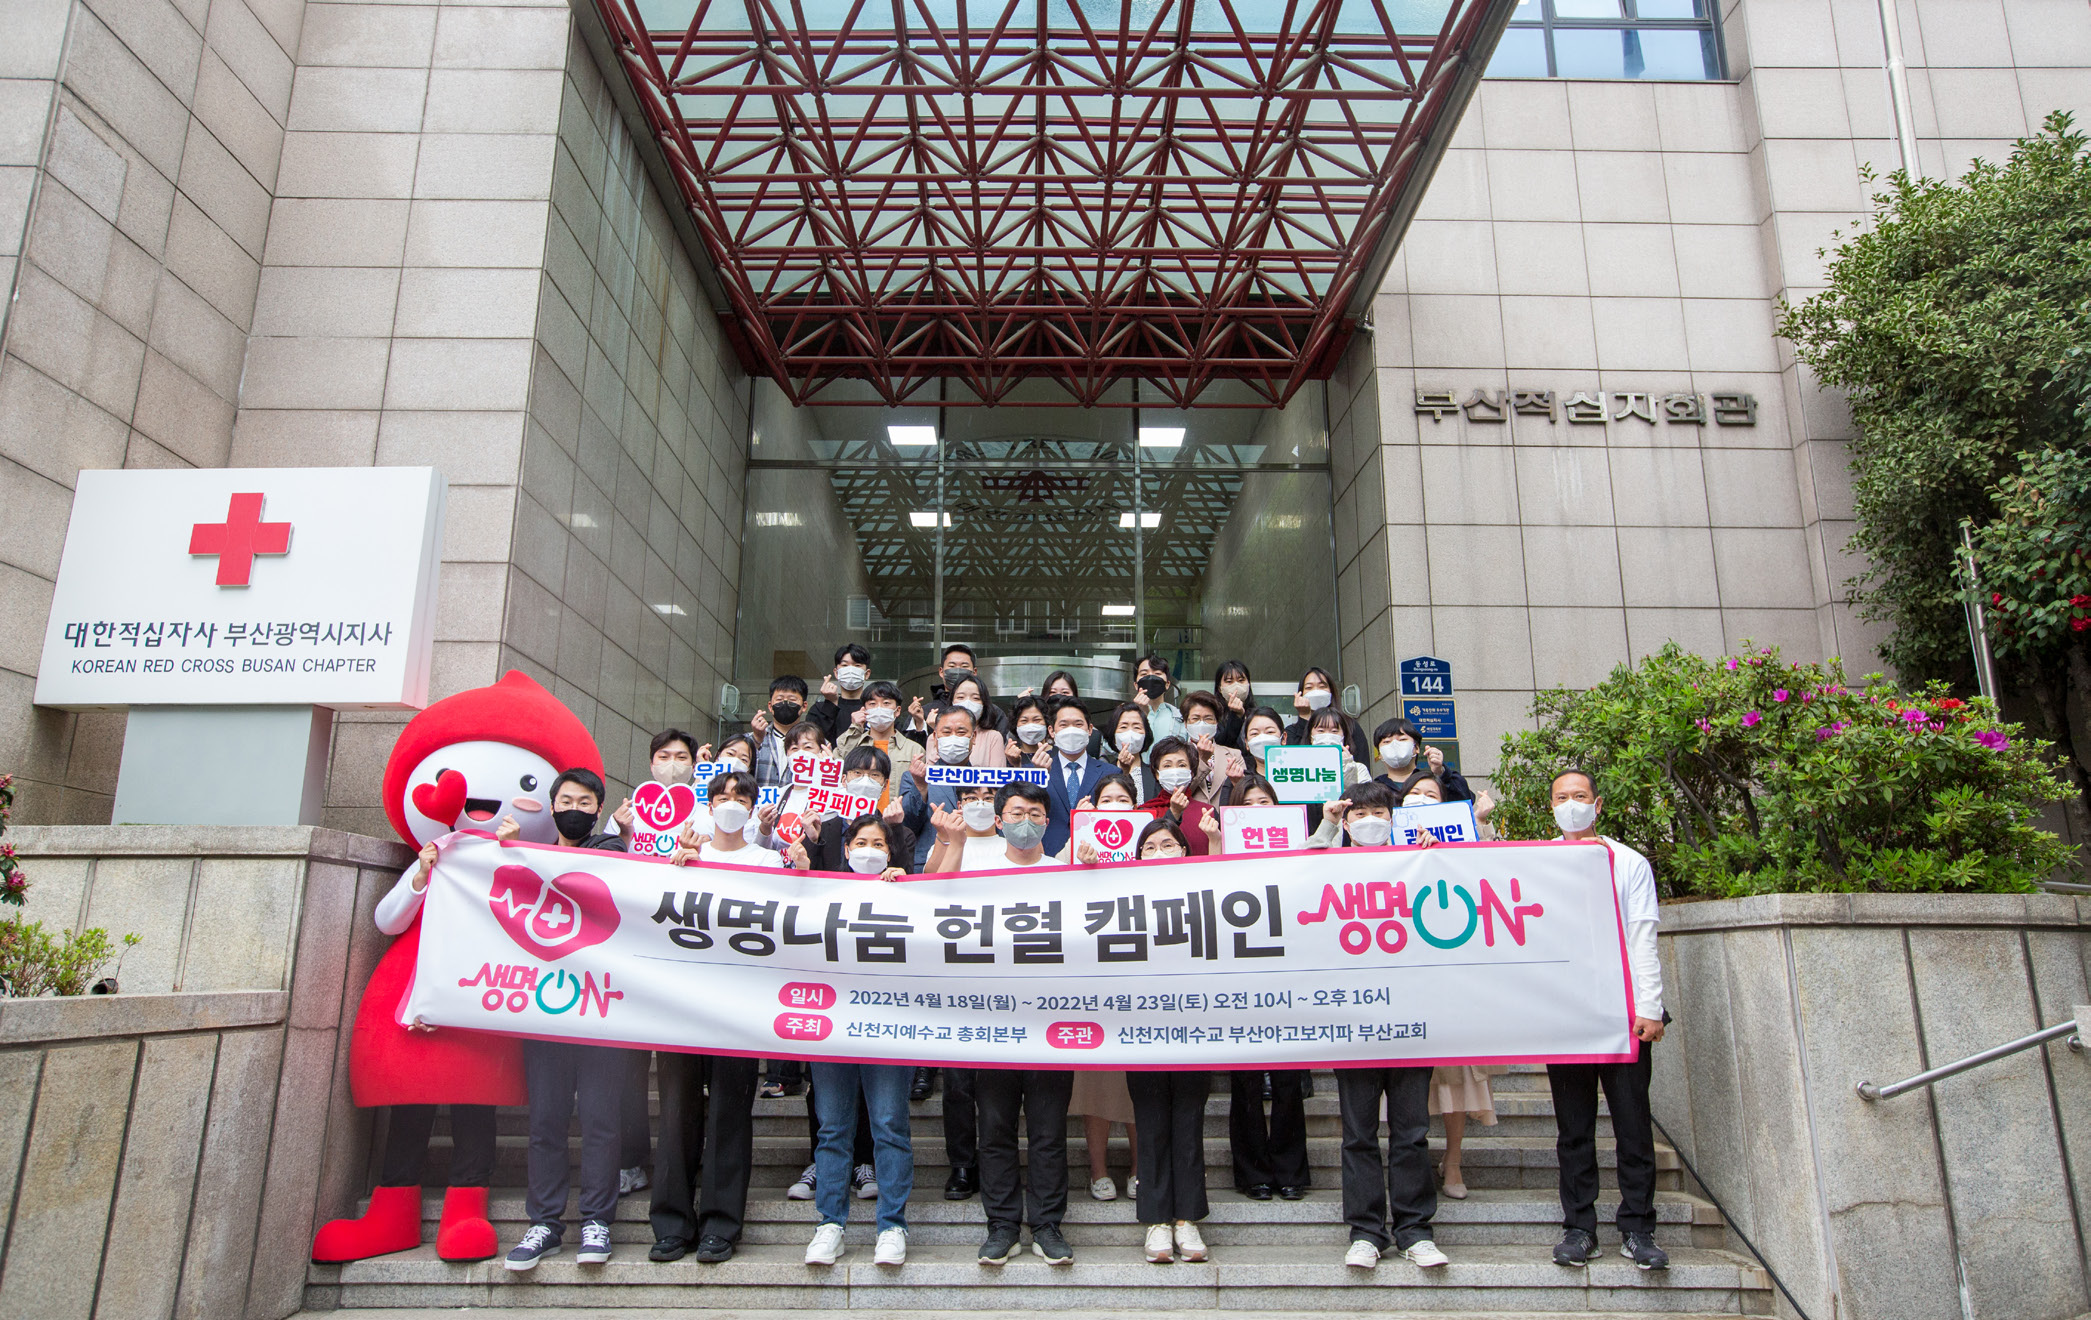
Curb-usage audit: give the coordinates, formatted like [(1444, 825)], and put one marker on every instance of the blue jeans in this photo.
[(885, 1091)]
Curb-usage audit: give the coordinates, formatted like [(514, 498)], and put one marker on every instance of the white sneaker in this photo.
[(1160, 1250), (1102, 1189), (892, 1248), (866, 1182), (1362, 1255), (632, 1180), (1189, 1245), (827, 1245), (802, 1190), (1425, 1255), (1132, 1187)]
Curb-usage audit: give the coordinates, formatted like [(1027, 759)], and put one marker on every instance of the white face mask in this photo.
[(1260, 741), (1370, 831), (1232, 690), (1030, 734), (1419, 800), (1319, 699), (879, 717), (1173, 778), (1574, 817), (1398, 752), (968, 704), (951, 751), (1328, 740), (979, 814), (1197, 729), (729, 817), (863, 786), (674, 772), (850, 678), (1072, 741), (867, 861), (1132, 740)]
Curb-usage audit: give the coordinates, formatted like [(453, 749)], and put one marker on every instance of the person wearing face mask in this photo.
[(1151, 685), (1172, 766), (1457, 1092), (567, 1077), (824, 846), (1317, 694), (1232, 684), (958, 663), (951, 741), (971, 693), (1130, 737), (1169, 1108), (880, 727), (1074, 772), (842, 691), (1061, 685), (1403, 758), (707, 1101), (769, 726), (1575, 1085), (844, 1093), (1030, 737)]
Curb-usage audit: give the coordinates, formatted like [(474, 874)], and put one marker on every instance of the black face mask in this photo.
[(575, 825), (954, 677), (1154, 685), (787, 712)]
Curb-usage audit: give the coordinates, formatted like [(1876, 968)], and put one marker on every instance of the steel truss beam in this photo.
[(1000, 191)]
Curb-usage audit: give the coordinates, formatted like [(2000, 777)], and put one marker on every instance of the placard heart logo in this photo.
[(1112, 835), (552, 918), (663, 806)]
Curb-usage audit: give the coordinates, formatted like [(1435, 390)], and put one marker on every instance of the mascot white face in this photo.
[(472, 785)]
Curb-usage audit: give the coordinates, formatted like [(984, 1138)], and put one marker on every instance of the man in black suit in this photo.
[(1074, 773)]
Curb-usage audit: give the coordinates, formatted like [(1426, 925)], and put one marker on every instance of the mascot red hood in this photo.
[(466, 762)]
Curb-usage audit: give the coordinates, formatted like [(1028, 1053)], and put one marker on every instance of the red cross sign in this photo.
[(238, 539)]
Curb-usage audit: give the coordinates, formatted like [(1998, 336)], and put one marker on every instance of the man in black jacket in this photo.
[(842, 692)]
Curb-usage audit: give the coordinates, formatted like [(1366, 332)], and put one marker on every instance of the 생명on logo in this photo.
[(552, 918)]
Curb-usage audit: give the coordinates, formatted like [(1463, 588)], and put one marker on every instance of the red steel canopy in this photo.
[(989, 193)]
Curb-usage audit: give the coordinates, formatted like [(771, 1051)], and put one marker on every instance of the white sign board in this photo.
[(1262, 829), (1451, 822), (246, 586)]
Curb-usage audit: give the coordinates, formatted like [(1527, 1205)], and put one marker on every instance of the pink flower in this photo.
[(1731, 664), (1781, 695), (1704, 725), (1751, 720), (1831, 730), (1913, 718), (1993, 739)]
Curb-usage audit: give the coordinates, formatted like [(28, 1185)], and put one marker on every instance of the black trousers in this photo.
[(715, 1132), (862, 1153), (636, 1147), (1399, 1193), (1169, 1111), (567, 1077), (1040, 1197), (471, 1145), (1575, 1115), (1272, 1154), (962, 1119)]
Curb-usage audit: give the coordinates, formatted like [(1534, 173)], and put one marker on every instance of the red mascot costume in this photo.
[(464, 763)]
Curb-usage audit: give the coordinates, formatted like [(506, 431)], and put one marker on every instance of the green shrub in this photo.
[(32, 963), (1748, 775)]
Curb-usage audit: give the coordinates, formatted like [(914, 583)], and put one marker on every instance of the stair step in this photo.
[(947, 1277), (745, 1313), (1528, 1217)]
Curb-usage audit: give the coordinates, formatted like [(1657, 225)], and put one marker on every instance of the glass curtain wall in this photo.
[(1043, 538)]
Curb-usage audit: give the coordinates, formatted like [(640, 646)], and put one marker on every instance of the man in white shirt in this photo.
[(1575, 1085)]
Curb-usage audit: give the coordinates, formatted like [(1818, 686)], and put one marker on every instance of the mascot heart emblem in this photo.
[(552, 918), (1113, 834)]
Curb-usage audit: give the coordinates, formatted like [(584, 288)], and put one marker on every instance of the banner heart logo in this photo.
[(663, 807), (1113, 834), (552, 918)]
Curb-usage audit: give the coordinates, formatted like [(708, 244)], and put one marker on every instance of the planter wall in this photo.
[(1962, 1201)]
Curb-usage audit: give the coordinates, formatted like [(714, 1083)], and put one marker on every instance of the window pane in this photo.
[(1521, 54), (1606, 53), (1679, 55), (1669, 9), (1587, 9)]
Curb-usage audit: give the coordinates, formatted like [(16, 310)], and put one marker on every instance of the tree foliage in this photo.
[(1751, 775), (1956, 321)]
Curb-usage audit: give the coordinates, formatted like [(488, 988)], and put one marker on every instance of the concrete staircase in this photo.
[(1271, 1256)]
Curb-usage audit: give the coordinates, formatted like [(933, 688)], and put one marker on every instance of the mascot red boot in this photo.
[(463, 763)]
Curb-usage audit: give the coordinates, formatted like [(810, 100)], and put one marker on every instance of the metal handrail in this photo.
[(1868, 1091)]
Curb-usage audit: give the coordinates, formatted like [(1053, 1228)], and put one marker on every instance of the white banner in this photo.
[(1465, 953)]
